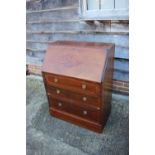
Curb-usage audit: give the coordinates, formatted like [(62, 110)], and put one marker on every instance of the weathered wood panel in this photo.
[(34, 60), (119, 75), (38, 37), (72, 25), (119, 26), (49, 4), (33, 5), (39, 54), (69, 26), (121, 65), (69, 2), (118, 40), (44, 15), (36, 45), (122, 52)]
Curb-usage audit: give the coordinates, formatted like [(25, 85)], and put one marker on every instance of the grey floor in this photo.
[(47, 135)]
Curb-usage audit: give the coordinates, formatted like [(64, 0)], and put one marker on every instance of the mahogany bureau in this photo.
[(78, 82)]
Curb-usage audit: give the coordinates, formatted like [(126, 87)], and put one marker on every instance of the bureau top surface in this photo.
[(82, 60)]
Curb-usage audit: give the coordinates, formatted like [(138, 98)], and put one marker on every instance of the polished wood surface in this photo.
[(76, 120), (73, 84), (75, 109), (72, 96), (84, 97), (79, 61)]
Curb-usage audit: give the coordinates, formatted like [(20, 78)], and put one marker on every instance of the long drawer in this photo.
[(74, 97), (73, 84), (83, 112)]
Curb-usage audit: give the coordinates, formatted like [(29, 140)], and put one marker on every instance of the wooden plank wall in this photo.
[(60, 20)]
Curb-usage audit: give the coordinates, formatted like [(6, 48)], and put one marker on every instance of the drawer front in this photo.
[(73, 97), (85, 113), (75, 85)]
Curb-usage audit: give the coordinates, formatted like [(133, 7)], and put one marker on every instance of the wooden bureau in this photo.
[(78, 82)]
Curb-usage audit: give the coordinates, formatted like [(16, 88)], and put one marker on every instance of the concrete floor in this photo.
[(47, 135)]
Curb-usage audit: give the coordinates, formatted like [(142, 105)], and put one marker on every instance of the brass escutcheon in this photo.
[(55, 80), (84, 86)]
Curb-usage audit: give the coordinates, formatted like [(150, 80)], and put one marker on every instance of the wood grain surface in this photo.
[(78, 82), (80, 60)]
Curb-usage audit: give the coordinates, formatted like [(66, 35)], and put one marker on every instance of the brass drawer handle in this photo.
[(85, 112), (84, 98), (84, 86), (59, 104), (55, 80), (48, 94), (58, 91)]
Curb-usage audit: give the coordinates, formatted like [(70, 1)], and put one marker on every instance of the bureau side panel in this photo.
[(107, 85), (45, 85)]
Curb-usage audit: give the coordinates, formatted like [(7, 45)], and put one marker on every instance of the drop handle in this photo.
[(84, 86), (55, 80)]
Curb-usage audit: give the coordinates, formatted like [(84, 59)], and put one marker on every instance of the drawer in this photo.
[(73, 97), (74, 109), (72, 84)]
